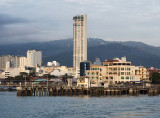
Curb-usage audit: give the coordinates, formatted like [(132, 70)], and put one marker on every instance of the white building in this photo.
[(8, 64), (53, 63), (120, 70), (11, 72), (34, 58), (58, 72), (14, 61), (23, 62), (79, 39)]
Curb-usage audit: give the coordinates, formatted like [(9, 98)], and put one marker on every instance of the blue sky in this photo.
[(111, 20)]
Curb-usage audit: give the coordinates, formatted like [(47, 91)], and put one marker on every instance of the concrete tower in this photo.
[(79, 39), (34, 58)]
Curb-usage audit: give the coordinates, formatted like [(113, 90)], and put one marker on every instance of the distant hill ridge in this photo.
[(61, 50)]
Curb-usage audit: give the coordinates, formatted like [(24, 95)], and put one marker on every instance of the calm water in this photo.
[(12, 106)]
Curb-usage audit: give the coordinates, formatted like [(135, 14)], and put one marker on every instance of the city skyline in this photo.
[(46, 20)]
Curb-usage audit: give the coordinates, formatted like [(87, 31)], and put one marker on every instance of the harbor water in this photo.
[(142, 106)]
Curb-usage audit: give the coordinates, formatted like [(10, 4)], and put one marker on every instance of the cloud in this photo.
[(6, 2), (121, 20), (7, 20)]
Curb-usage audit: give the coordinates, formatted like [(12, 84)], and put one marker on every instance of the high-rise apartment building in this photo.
[(34, 58), (79, 39), (14, 61), (23, 62)]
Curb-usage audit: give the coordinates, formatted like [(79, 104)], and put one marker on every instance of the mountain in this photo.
[(61, 50)]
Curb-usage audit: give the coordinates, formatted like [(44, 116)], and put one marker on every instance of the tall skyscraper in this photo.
[(79, 39), (34, 58)]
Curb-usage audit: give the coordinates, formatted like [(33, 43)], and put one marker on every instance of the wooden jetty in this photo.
[(96, 91)]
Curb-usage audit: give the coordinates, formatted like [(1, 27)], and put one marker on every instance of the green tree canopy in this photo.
[(49, 76), (155, 78)]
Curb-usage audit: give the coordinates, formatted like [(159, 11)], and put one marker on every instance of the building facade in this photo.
[(120, 71), (84, 66), (79, 39), (96, 74), (143, 73), (14, 61), (23, 62), (34, 58)]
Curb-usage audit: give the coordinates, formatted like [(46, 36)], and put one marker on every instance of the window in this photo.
[(128, 68), (122, 77), (122, 68), (122, 73), (127, 77)]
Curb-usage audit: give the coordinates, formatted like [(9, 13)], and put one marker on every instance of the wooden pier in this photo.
[(97, 91)]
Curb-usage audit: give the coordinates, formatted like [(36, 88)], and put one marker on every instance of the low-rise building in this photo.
[(96, 74), (142, 72), (58, 72), (72, 71), (120, 71), (83, 82), (11, 72)]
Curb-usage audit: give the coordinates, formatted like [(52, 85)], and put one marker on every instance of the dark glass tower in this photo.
[(83, 67)]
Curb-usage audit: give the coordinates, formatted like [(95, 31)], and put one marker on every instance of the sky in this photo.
[(111, 20)]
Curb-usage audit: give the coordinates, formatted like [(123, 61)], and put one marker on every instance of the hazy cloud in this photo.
[(7, 20), (115, 20)]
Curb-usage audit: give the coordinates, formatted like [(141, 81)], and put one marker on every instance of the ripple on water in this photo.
[(12, 106)]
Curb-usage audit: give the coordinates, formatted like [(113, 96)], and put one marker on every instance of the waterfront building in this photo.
[(120, 71), (96, 75), (83, 82), (112, 72), (84, 66), (79, 39), (143, 73), (34, 58), (72, 71), (13, 60)]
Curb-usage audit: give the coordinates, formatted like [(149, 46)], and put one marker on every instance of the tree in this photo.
[(155, 78), (49, 76), (23, 73), (33, 74), (65, 77)]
